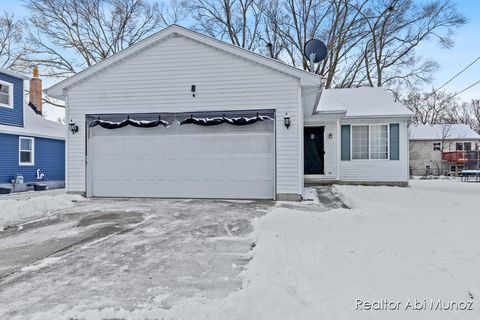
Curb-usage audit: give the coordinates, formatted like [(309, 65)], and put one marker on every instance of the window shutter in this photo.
[(345, 140), (394, 141)]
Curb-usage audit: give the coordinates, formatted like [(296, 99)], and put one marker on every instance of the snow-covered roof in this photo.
[(14, 74), (37, 126), (362, 102), (437, 131)]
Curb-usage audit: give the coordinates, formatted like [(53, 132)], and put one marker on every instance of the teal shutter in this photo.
[(394, 141), (345, 140)]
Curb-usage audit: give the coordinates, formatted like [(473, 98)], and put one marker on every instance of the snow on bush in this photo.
[(18, 210)]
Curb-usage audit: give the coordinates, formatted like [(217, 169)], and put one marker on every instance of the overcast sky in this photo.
[(466, 49)]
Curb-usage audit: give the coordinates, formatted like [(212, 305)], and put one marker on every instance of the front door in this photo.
[(314, 153)]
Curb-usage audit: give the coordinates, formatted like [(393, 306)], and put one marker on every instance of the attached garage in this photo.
[(179, 74), (183, 161)]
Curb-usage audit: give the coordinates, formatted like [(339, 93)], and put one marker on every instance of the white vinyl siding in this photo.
[(159, 79), (26, 151), (6, 94), (379, 169)]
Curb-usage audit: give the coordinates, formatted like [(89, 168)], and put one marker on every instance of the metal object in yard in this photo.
[(40, 187), (5, 190)]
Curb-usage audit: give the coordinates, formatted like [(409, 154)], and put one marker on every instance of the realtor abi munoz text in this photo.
[(414, 304)]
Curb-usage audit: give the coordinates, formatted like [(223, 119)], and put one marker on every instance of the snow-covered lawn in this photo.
[(394, 245), (18, 208)]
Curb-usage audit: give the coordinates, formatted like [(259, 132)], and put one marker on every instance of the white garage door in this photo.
[(187, 161)]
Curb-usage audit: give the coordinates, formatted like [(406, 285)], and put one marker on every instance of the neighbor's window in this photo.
[(360, 142), (459, 146), (370, 142), (6, 94), (26, 151), (437, 146)]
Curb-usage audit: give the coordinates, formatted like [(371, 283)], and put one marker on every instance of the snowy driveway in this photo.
[(125, 254)]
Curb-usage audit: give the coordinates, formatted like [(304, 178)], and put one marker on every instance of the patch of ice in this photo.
[(42, 264)]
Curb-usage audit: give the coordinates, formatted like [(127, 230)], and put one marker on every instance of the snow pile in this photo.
[(310, 194), (18, 210)]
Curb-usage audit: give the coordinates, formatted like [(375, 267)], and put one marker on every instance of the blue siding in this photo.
[(49, 158), (13, 117)]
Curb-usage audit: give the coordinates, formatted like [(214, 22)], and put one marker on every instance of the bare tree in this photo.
[(70, 35), (12, 50), (429, 107), (174, 11), (397, 28), (272, 44), (237, 21), (295, 22), (467, 113), (370, 42)]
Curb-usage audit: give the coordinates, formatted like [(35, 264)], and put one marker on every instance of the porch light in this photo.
[(73, 127), (330, 136), (286, 120)]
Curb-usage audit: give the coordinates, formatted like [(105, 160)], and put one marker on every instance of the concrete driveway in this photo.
[(125, 254)]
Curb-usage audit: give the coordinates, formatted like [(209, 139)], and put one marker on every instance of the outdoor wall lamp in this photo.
[(286, 120), (73, 127), (330, 136)]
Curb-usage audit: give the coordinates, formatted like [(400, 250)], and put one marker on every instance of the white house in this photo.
[(182, 115), (443, 149)]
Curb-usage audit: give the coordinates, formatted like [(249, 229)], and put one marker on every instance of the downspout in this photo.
[(318, 96)]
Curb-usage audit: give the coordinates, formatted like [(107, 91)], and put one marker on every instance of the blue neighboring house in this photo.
[(30, 145)]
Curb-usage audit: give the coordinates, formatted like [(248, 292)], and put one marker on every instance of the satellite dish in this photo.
[(315, 51)]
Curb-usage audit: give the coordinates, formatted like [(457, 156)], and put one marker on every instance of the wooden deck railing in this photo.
[(461, 157)]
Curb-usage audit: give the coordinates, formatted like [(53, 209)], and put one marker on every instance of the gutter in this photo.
[(379, 116), (30, 134)]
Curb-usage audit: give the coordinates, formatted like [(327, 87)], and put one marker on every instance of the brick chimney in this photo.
[(36, 91)]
